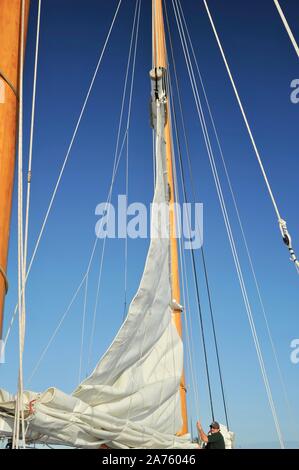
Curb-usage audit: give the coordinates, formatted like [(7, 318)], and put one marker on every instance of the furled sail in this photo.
[(131, 400)]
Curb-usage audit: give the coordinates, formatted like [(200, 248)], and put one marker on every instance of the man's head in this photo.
[(214, 427)]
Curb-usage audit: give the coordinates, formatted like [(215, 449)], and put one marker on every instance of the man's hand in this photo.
[(203, 437)]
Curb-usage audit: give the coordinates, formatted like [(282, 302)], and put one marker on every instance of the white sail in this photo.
[(132, 397)]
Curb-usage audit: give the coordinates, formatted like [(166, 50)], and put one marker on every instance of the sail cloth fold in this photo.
[(131, 400)]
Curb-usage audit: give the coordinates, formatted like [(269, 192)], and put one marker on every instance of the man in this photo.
[(214, 439)]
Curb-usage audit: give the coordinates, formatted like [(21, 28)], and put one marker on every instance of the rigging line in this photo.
[(73, 138), (9, 83), (231, 237), (282, 224), (31, 135), (116, 150), (181, 251), (19, 415), (155, 33), (126, 239), (202, 249), (242, 111), (199, 308), (208, 145), (135, 22), (287, 27), (186, 300), (190, 344), (42, 355), (188, 329), (68, 153), (177, 218), (219, 190), (25, 246), (84, 277), (127, 154), (170, 328), (187, 318), (81, 282), (83, 328), (239, 220), (125, 86), (94, 245), (158, 137)]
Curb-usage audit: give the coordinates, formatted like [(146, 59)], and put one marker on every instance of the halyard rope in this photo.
[(226, 220), (280, 220), (287, 27), (64, 163)]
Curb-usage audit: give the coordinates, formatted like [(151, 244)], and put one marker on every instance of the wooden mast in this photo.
[(10, 28), (160, 60)]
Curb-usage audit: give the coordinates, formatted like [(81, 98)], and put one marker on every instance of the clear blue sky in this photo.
[(264, 64)]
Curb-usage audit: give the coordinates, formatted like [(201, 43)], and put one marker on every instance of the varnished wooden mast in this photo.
[(160, 60), (10, 27)]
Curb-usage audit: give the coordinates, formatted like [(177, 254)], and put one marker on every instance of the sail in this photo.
[(131, 400)]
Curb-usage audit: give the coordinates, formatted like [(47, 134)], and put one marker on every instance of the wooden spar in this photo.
[(10, 28), (160, 60)]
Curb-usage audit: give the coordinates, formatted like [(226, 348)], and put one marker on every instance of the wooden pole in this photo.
[(10, 27), (160, 60)]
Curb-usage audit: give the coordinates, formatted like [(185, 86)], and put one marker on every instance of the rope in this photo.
[(287, 27), (3, 274), (23, 248), (65, 160), (199, 308), (235, 256), (93, 251), (42, 355), (3, 76), (117, 158), (227, 222), (280, 220), (126, 239), (185, 290), (19, 415), (83, 329), (181, 251), (31, 136), (194, 198), (135, 25), (275, 354)]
